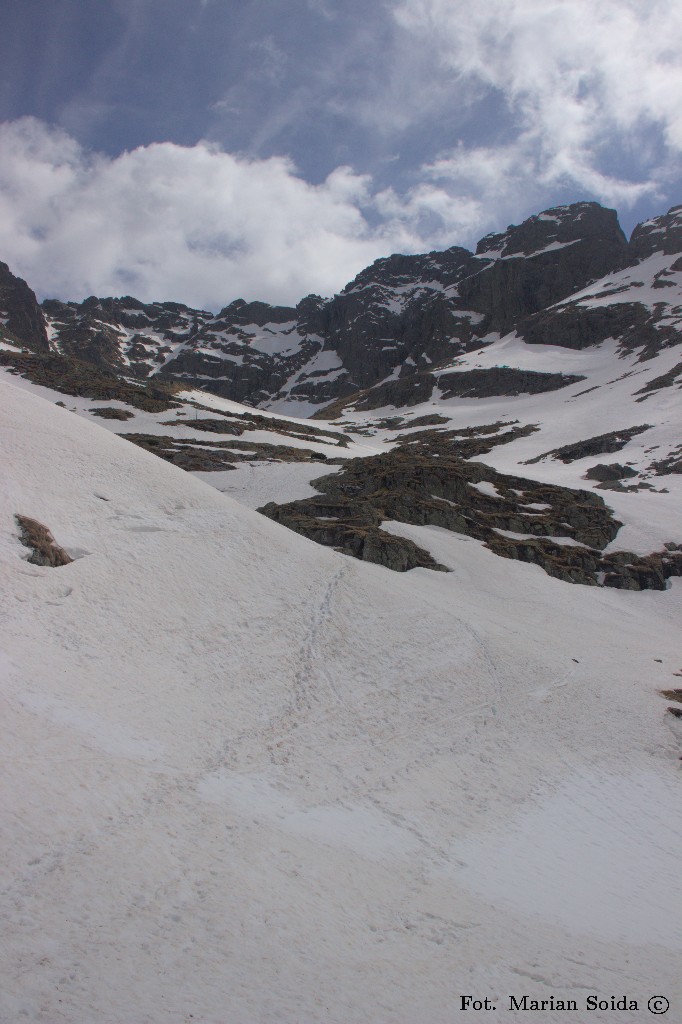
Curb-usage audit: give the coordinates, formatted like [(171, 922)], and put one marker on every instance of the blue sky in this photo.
[(204, 149)]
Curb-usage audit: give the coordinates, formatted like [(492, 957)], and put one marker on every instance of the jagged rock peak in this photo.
[(20, 317), (659, 234), (556, 227), (396, 270), (259, 313), (545, 259)]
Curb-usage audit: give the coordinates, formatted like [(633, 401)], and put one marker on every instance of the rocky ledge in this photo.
[(427, 480)]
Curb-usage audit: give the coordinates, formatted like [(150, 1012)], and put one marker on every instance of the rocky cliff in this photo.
[(21, 321), (565, 277)]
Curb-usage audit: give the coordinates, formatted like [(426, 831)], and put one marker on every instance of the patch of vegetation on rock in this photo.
[(110, 412), (672, 695), (213, 456), (44, 548), (73, 377)]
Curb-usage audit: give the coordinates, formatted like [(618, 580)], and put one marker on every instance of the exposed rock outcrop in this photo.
[(660, 234), (123, 335), (545, 259), (208, 456), (612, 471), (564, 531), (502, 380), (21, 320), (77, 378), (601, 444)]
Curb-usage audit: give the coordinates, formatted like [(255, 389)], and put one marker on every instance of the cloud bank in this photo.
[(191, 223)]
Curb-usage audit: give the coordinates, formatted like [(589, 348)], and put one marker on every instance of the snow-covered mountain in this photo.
[(402, 317), (248, 778)]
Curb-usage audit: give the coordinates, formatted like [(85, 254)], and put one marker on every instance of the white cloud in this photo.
[(201, 226), (585, 86), (428, 216), (189, 223)]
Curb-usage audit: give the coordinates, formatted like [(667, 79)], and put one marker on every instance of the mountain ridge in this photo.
[(400, 317)]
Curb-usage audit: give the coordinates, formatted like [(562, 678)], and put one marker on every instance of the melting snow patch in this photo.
[(485, 487), (566, 541), (364, 830), (557, 859)]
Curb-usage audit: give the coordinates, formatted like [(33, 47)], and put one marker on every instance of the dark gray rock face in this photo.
[(258, 313), (401, 309), (639, 325), (612, 471), (416, 388), (21, 320), (660, 234), (544, 260), (502, 380), (578, 222), (249, 350), (419, 311), (402, 393), (402, 312), (399, 318), (574, 325), (673, 378)]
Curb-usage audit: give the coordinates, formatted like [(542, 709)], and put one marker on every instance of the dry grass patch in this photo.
[(44, 548)]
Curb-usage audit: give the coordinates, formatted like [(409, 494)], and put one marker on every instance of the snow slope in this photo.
[(247, 779)]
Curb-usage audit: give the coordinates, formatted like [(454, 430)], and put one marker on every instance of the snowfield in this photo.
[(249, 780)]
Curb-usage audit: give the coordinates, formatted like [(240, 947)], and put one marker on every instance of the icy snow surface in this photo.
[(247, 779)]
